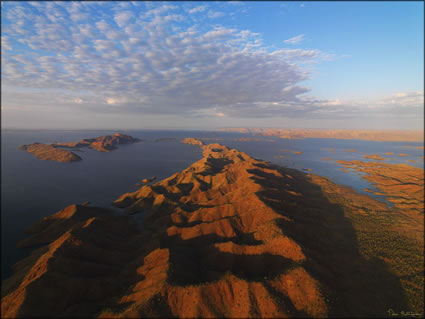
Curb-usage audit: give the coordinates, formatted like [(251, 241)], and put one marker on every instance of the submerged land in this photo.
[(401, 184), (368, 135), (53, 152), (231, 236)]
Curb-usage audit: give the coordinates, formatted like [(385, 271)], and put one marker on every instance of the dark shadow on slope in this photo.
[(196, 261), (215, 165), (355, 286), (81, 279)]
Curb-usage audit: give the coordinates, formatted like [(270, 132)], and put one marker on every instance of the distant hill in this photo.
[(368, 135)]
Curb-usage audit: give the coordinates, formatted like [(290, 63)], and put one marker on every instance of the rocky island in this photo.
[(374, 156), (229, 236), (102, 143), (53, 152), (48, 152), (192, 141)]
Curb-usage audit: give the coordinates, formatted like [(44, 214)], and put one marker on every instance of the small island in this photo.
[(48, 152), (374, 156), (102, 143), (192, 141), (292, 151), (53, 152)]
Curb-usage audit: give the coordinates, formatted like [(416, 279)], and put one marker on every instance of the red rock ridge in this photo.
[(229, 236)]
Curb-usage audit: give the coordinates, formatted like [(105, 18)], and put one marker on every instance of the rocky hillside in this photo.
[(229, 236)]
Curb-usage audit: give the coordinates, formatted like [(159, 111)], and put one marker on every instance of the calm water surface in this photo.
[(33, 188)]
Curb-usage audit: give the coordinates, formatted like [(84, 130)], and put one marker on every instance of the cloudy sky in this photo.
[(206, 65)]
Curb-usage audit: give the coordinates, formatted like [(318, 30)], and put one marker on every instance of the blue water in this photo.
[(33, 188)]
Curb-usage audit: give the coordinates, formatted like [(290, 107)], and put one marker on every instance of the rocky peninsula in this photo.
[(229, 236)]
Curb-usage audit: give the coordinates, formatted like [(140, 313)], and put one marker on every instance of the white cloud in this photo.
[(301, 55), (115, 101), (403, 99), (159, 10), (5, 43), (399, 94), (102, 25), (295, 40), (157, 65), (197, 9), (123, 18), (215, 14)]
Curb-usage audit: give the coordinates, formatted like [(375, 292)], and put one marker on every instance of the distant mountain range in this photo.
[(368, 135)]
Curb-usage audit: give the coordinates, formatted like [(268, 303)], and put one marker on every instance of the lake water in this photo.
[(33, 188)]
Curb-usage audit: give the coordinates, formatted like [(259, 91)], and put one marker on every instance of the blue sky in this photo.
[(206, 65)]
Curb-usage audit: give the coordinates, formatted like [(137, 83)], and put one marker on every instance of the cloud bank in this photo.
[(158, 59)]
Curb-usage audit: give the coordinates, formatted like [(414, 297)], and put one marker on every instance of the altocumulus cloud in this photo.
[(154, 59)]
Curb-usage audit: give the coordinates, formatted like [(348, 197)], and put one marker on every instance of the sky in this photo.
[(209, 65)]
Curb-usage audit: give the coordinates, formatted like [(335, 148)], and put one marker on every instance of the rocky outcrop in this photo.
[(229, 236), (148, 180), (102, 143), (50, 153), (192, 141)]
